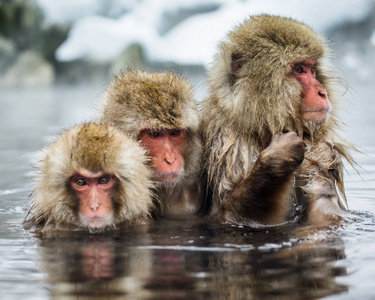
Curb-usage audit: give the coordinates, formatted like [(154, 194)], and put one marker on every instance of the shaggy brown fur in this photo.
[(139, 100), (136, 100), (97, 148), (253, 95)]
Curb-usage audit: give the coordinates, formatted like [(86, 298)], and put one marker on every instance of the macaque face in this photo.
[(94, 192), (315, 104), (165, 148)]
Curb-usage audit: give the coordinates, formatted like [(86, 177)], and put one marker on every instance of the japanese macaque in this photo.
[(92, 177), (159, 110), (270, 78)]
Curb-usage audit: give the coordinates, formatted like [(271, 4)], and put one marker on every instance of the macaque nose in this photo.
[(170, 157), (94, 202), (322, 92), (94, 206), (169, 154), (323, 98)]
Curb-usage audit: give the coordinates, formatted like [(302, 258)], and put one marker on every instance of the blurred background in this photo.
[(45, 42)]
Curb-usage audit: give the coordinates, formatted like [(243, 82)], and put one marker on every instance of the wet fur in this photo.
[(253, 96), (98, 148), (137, 100)]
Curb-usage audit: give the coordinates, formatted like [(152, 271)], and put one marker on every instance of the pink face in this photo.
[(94, 193), (165, 148), (315, 104)]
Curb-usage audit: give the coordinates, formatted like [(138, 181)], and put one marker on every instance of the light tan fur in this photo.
[(97, 148), (138, 100), (244, 110)]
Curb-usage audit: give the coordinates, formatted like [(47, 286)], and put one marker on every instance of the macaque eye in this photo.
[(154, 134), (175, 132), (313, 70), (80, 182), (298, 70), (104, 180)]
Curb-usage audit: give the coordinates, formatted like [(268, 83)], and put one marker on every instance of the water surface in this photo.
[(176, 259)]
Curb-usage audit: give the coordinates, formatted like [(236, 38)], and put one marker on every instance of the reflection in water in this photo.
[(100, 266), (182, 260), (98, 260)]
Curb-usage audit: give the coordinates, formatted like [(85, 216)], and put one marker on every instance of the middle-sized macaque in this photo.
[(159, 110), (92, 177), (270, 80)]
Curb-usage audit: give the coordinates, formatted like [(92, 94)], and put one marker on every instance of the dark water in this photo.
[(176, 259)]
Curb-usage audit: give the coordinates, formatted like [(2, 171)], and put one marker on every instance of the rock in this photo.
[(30, 69)]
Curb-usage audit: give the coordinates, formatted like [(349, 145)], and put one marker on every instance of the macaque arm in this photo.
[(324, 209), (264, 195), (324, 196)]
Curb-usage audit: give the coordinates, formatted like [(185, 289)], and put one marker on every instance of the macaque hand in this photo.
[(285, 153)]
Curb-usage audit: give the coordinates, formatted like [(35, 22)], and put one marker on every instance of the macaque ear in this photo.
[(236, 64)]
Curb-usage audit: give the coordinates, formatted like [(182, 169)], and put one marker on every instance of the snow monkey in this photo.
[(159, 110), (92, 177), (272, 77)]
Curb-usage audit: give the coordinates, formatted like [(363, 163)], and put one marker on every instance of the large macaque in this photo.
[(158, 109), (92, 177), (272, 80)]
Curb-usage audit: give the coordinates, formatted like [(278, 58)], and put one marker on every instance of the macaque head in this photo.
[(93, 177), (159, 110), (277, 73)]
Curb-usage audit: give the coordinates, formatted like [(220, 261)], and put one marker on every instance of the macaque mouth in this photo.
[(316, 116), (324, 109), (96, 221), (317, 111), (168, 177)]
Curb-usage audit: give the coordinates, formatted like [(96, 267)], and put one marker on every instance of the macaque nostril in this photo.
[(322, 94)]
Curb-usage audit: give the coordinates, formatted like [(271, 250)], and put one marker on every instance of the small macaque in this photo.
[(92, 177), (159, 111), (272, 105)]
